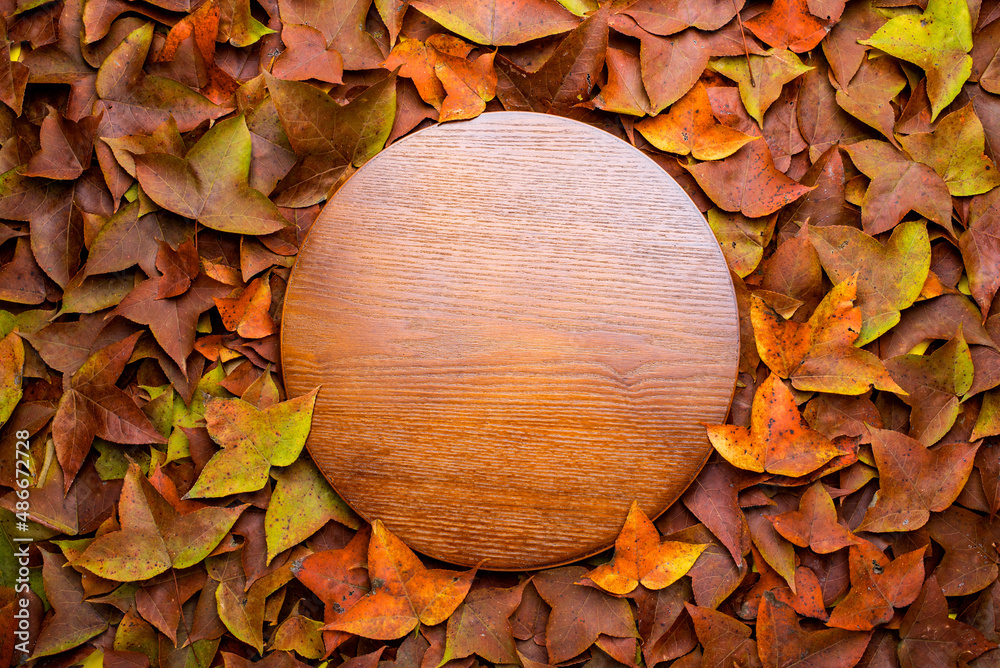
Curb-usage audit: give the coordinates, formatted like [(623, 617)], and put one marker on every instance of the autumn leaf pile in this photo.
[(162, 162)]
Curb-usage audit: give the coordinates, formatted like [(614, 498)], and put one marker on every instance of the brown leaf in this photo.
[(75, 621), (929, 634), (783, 642), (579, 614), (914, 480), (814, 524)]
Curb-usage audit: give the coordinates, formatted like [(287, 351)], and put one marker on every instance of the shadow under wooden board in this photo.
[(520, 324)]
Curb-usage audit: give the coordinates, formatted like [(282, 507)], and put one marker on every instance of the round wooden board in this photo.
[(520, 324)]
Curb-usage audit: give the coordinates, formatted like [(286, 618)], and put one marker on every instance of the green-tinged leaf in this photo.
[(252, 441)]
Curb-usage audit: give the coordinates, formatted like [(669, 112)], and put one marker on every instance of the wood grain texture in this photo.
[(519, 324)]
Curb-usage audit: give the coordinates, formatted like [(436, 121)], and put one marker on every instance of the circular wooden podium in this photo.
[(520, 324)]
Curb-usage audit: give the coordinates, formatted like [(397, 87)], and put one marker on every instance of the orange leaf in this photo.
[(640, 557), (404, 592), (690, 127), (778, 440)]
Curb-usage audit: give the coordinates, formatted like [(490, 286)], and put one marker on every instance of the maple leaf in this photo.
[(624, 92), (820, 355), (814, 524), (914, 480), (210, 183), (11, 370), (66, 147), (929, 636), (240, 601), (154, 536), (898, 185), (778, 441), (843, 47), (668, 67), (75, 621), (481, 626), (133, 102), (179, 267), (712, 498), (566, 78), (782, 641), (889, 277), (62, 62), (404, 592), (690, 127), (747, 181), (339, 578), (742, 239), (934, 384), (869, 95), (980, 246), (456, 87), (769, 73), (726, 640), (172, 320), (580, 614), (970, 559), (302, 503), (307, 56), (788, 24), (196, 33), (247, 313), (955, 150), (877, 587), (328, 138), (252, 441), (671, 16), (640, 558), (496, 24), (93, 406), (342, 23), (938, 41)]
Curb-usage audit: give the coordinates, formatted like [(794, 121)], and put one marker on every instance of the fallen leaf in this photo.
[(209, 183), (769, 72), (898, 185), (93, 406), (747, 181), (580, 614), (154, 536), (481, 626), (937, 41), (955, 150), (814, 524), (690, 128), (869, 95), (404, 592), (778, 441), (889, 277), (671, 16), (640, 558), (75, 621), (934, 384), (499, 25), (928, 633), (788, 24), (726, 640), (329, 138), (877, 587), (914, 480), (783, 642), (302, 503), (252, 441)]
